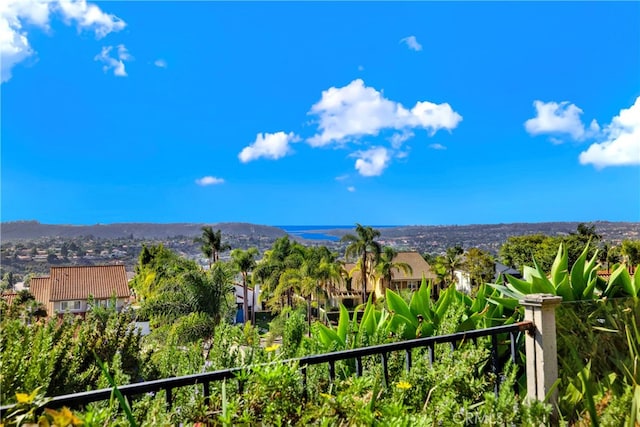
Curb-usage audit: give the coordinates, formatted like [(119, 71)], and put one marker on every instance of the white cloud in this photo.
[(351, 189), (622, 144), (209, 180), (14, 39), (372, 161), (117, 64), (412, 43), (437, 146), (398, 138), (559, 118), (355, 110), (342, 177), (90, 17), (268, 145), (160, 63)]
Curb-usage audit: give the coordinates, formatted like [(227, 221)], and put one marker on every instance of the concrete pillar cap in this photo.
[(541, 299)]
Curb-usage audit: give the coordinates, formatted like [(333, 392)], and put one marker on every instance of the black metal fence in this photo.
[(169, 384)]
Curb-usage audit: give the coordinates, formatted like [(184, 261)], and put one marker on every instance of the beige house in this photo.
[(351, 286), (67, 289)]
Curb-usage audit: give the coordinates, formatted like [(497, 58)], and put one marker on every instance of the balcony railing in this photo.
[(169, 384)]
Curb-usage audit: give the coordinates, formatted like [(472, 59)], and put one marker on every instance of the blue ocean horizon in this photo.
[(315, 232)]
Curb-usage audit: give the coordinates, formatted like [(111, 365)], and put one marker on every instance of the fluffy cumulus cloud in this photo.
[(115, 62), (559, 118), (412, 43), (89, 17), (268, 145), (160, 63), (209, 180), (355, 110), (351, 189), (350, 114), (14, 14), (372, 162), (621, 146), (437, 146)]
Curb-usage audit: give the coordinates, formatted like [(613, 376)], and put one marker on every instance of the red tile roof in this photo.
[(77, 283), (9, 296), (39, 288)]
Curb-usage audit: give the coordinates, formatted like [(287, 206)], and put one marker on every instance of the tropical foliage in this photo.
[(598, 345)]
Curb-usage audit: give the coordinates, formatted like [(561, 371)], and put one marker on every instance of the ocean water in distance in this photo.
[(316, 232)]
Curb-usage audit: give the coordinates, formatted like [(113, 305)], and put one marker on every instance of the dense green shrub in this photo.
[(58, 354)]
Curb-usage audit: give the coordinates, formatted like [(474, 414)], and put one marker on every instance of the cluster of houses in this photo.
[(69, 289)]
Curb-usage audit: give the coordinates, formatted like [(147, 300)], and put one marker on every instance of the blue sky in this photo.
[(320, 113)]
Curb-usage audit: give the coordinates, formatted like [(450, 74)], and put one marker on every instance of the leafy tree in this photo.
[(631, 251), (244, 262), (157, 269), (26, 307), (588, 231), (363, 246), (613, 256), (64, 250), (480, 266), (386, 266), (8, 280), (519, 251), (212, 244)]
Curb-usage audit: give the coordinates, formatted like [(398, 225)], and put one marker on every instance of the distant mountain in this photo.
[(19, 230), (423, 238)]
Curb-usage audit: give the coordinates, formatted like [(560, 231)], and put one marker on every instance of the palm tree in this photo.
[(212, 244), (364, 246), (386, 266), (244, 261), (453, 260), (328, 272), (209, 290)]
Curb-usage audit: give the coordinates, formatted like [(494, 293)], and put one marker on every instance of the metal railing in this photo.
[(169, 384)]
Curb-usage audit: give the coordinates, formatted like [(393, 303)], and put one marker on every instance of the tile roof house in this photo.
[(9, 296), (67, 289), (400, 280)]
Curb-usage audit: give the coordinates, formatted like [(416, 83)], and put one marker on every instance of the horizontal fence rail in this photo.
[(168, 384)]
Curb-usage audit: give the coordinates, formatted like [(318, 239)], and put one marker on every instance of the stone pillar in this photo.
[(540, 345)]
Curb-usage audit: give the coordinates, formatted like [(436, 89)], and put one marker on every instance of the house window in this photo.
[(70, 305), (105, 303)]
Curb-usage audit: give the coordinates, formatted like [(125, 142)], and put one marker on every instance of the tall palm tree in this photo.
[(386, 266), (244, 262), (364, 246), (329, 271), (212, 244), (453, 260)]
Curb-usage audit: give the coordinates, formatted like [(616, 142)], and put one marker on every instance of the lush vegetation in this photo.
[(190, 309)]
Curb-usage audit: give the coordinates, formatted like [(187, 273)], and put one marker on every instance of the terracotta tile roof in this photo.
[(77, 283), (9, 296), (39, 288), (418, 266)]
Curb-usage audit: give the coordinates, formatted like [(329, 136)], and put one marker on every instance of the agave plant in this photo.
[(621, 282), (423, 317), (349, 332), (579, 283)]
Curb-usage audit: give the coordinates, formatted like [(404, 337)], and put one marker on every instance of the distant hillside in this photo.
[(20, 230), (435, 239)]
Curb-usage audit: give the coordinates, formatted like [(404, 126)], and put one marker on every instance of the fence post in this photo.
[(540, 346)]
